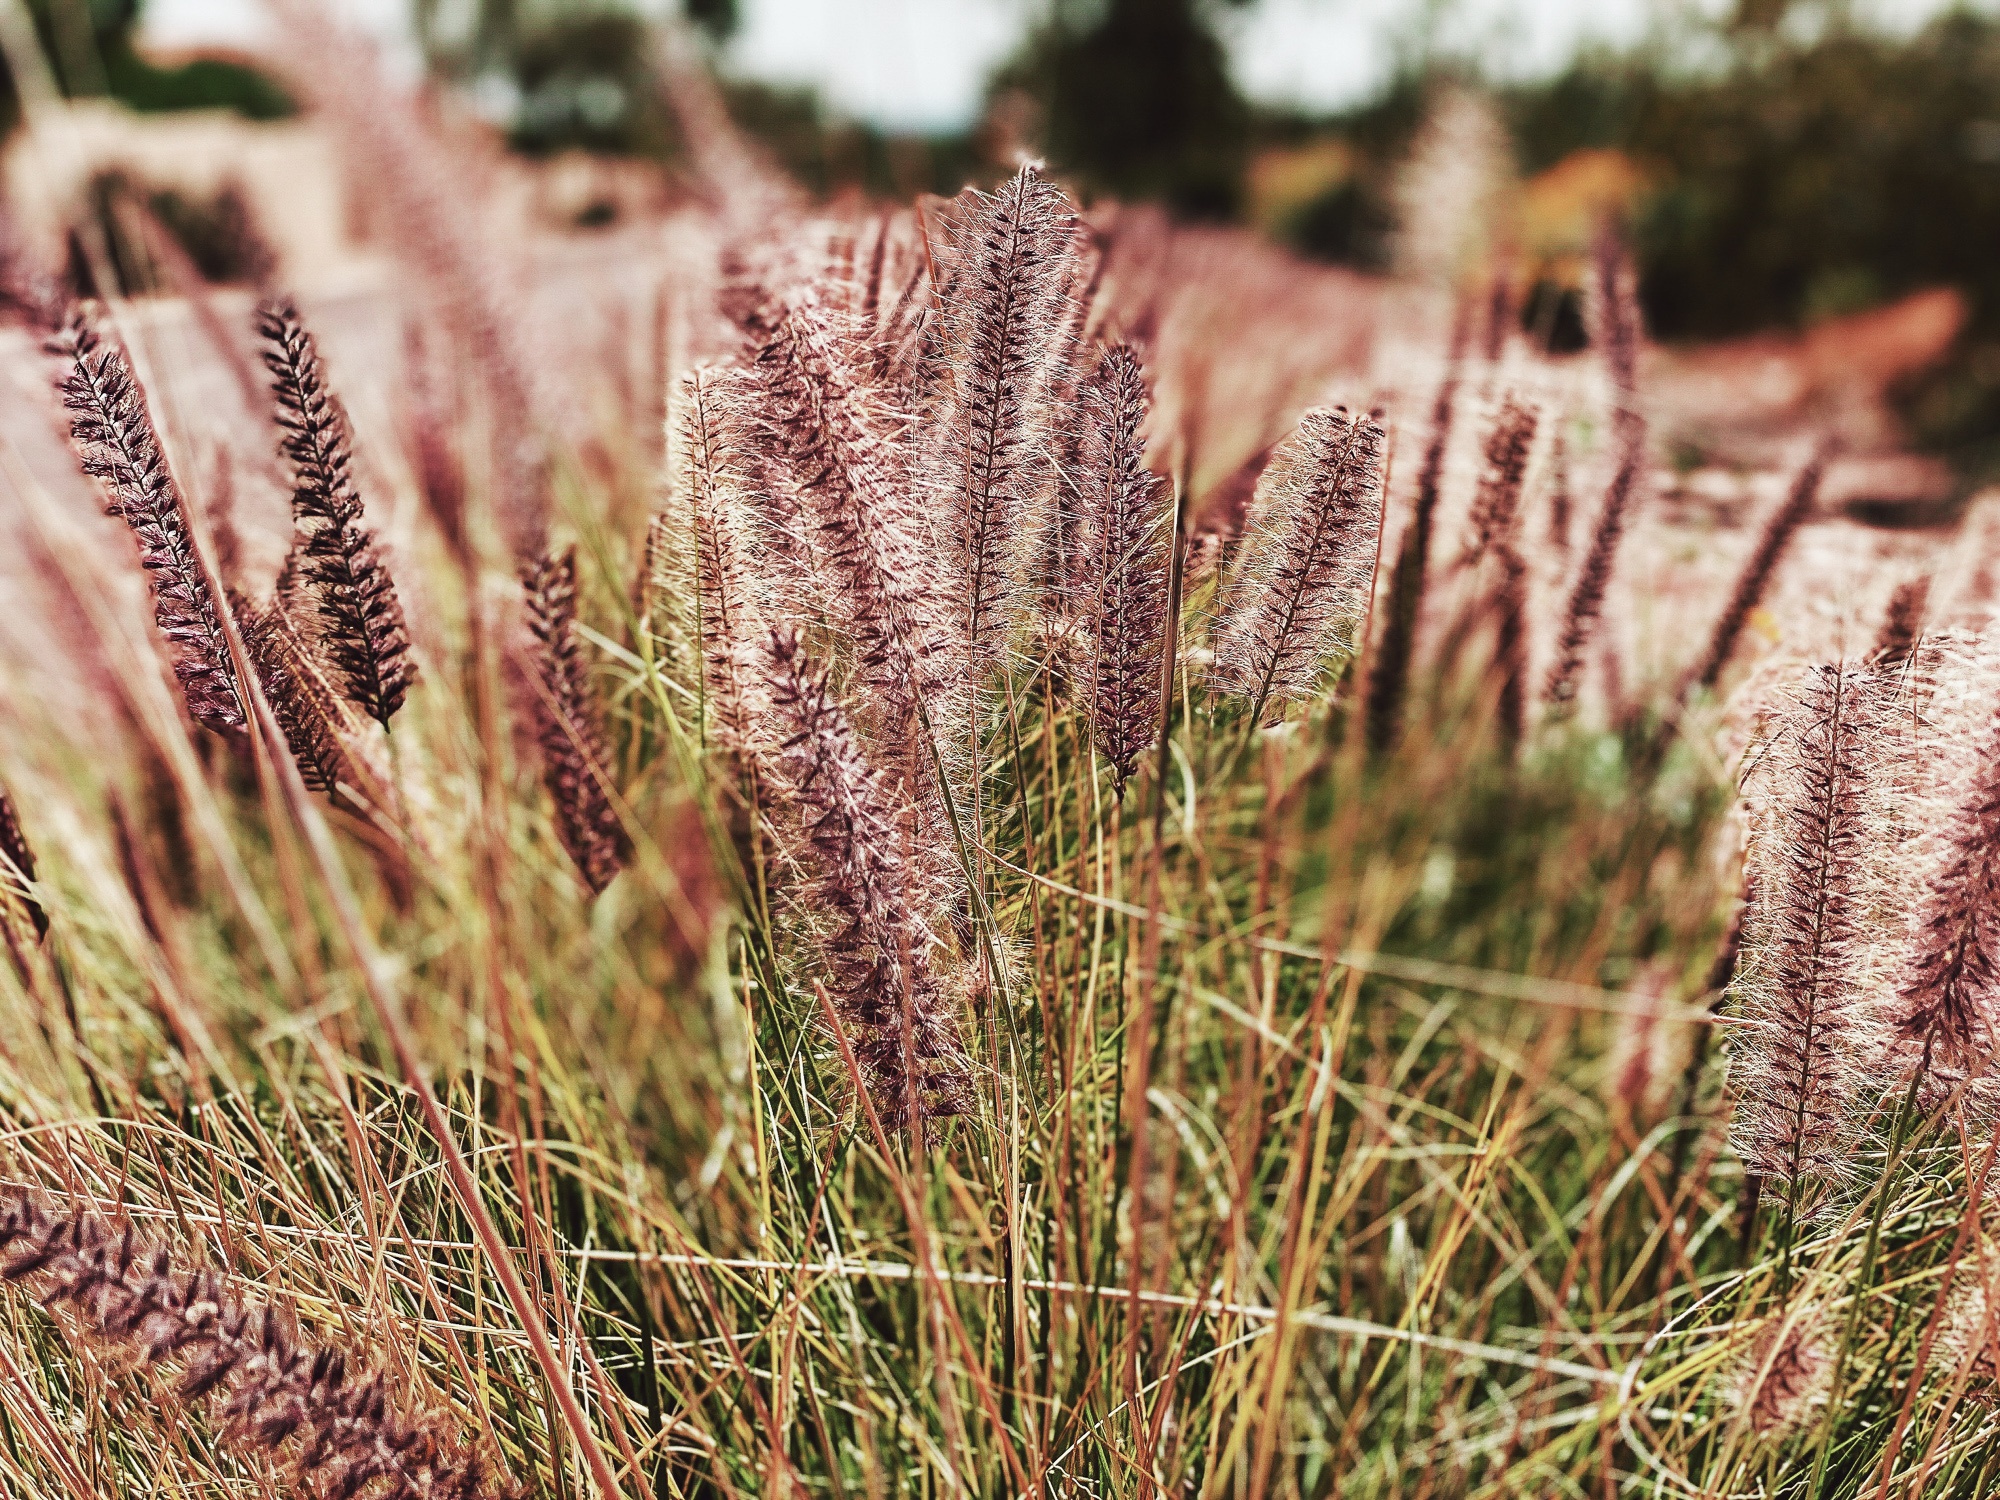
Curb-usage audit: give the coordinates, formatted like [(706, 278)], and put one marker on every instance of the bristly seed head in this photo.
[(1948, 999), (116, 443), (1126, 524), (575, 765), (328, 1419), (1799, 1054), (1002, 333), (1302, 588), (339, 565), (878, 956)]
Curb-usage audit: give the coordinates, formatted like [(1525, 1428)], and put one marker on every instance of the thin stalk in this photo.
[(1905, 1119)]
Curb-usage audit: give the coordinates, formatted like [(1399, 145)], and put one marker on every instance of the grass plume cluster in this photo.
[(975, 891)]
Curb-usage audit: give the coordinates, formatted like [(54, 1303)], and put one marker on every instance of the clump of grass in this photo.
[(991, 1017), (329, 1421)]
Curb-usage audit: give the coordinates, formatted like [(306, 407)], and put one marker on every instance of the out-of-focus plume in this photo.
[(1453, 190), (431, 422), (732, 629), (30, 291), (277, 656), (1389, 677), (1496, 532), (1787, 1369), (116, 444), (1001, 337), (1226, 508), (219, 513), (1968, 1338), (1559, 492), (17, 867), (338, 565), (1611, 313), (747, 189), (1500, 314), (330, 1422), (1497, 501), (439, 236), (878, 955), (1646, 1050), (1947, 994), (1755, 578), (1799, 1052), (575, 766), (1616, 331), (1301, 587), (1126, 517), (1902, 623)]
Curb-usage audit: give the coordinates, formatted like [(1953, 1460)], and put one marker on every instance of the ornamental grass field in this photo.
[(980, 847)]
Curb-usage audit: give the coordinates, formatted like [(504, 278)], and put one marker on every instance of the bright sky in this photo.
[(922, 64)]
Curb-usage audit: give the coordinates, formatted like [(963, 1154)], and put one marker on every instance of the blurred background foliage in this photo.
[(1774, 168), (89, 47)]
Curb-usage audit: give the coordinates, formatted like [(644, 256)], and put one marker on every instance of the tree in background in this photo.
[(1807, 179), (1135, 98), (1784, 173), (91, 55)]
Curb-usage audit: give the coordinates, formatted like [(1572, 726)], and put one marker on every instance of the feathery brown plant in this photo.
[(430, 415), (739, 439), (1611, 312), (116, 444), (340, 567), (1002, 334), (274, 654), (664, 588), (1496, 524), (884, 588), (1902, 623), (1389, 676), (1757, 570), (1302, 584), (1950, 983), (1586, 599), (1804, 1035), (730, 625), (575, 766), (1788, 1367), (1559, 492), (1615, 329), (878, 956), (329, 1420), (1126, 514)]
